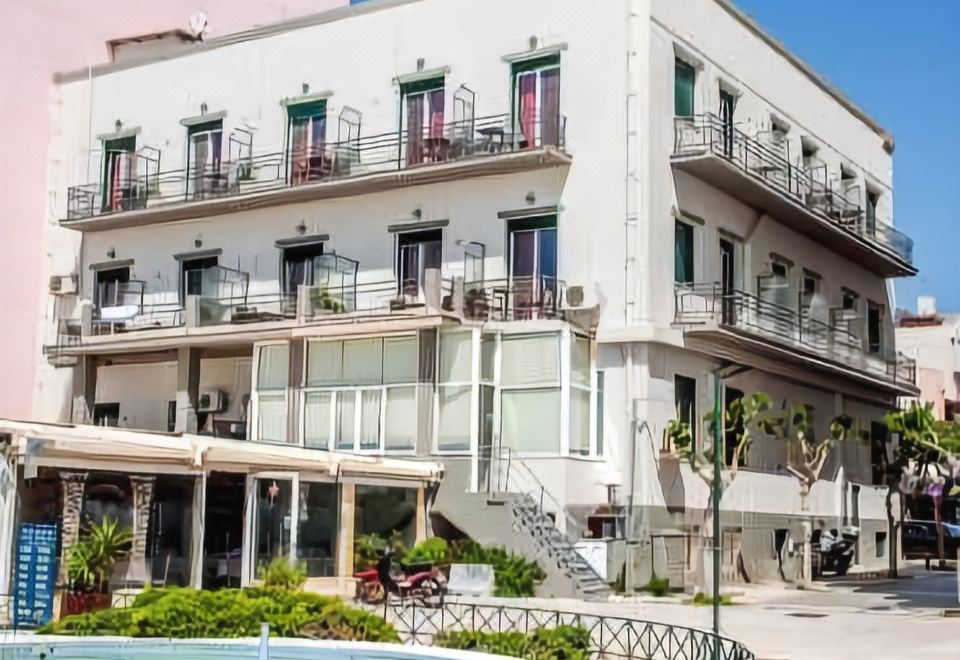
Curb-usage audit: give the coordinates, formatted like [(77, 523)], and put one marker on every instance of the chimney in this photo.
[(926, 305)]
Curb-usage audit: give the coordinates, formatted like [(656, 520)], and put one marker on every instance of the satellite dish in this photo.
[(198, 25)]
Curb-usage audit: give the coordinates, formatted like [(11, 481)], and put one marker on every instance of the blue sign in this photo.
[(37, 565)]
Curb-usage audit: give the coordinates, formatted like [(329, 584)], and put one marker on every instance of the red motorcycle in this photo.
[(422, 581)]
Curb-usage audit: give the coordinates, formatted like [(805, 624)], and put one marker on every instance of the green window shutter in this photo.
[(535, 63), (683, 253), (307, 109), (417, 86), (684, 78)]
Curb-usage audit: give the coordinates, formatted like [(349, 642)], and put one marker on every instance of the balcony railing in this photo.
[(353, 156), (698, 304), (511, 299), (766, 157)]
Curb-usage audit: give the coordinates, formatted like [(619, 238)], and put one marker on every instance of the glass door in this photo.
[(727, 282), (204, 159), (416, 253), (727, 103), (533, 271), (271, 518)]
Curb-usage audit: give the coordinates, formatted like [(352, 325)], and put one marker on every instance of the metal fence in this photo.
[(610, 636)]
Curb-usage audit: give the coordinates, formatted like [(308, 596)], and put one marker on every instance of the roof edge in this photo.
[(747, 21), (260, 32)]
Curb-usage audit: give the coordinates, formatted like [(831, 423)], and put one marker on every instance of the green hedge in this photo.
[(189, 613), (560, 643)]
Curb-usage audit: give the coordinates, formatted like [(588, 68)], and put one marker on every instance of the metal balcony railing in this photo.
[(242, 171), (513, 299), (766, 157), (697, 304)]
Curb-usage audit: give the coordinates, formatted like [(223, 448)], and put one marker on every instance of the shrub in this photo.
[(369, 548), (701, 598), (657, 586), (515, 575), (189, 613), (284, 574), (560, 643), (432, 551)]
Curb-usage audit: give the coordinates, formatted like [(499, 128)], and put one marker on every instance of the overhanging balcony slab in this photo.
[(766, 355), (481, 166), (758, 193)]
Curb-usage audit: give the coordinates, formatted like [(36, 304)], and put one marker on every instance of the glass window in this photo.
[(579, 421), (386, 511), (400, 359), (530, 420), (370, 419), (346, 419), (685, 398), (272, 373), (600, 379), (530, 359), (580, 360), (271, 521), (684, 81), (874, 327), (317, 527), (454, 425), (324, 363), (363, 361), (455, 357), (306, 133), (317, 414), (536, 101), (400, 425), (272, 417), (488, 351), (683, 253), (418, 252)]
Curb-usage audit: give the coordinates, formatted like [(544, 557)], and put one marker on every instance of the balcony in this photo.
[(758, 171), (142, 193), (727, 320)]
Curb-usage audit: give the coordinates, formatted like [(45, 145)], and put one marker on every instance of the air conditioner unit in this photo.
[(63, 285), (575, 296), (213, 401)]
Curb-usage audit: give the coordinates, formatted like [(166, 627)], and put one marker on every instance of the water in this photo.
[(48, 648)]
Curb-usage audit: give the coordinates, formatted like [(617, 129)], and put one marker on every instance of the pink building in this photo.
[(38, 39)]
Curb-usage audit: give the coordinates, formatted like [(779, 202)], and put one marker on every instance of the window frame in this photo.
[(690, 230), (678, 379), (535, 66), (312, 111), (682, 65), (256, 394), (473, 384)]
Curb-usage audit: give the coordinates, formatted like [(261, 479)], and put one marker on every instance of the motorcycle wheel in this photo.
[(376, 593), (430, 592)]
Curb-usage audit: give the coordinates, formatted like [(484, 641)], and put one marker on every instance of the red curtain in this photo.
[(414, 129), (528, 107), (550, 110)]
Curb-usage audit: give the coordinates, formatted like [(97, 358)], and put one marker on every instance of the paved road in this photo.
[(853, 620)]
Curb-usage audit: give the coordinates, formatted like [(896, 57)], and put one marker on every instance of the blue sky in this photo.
[(899, 61)]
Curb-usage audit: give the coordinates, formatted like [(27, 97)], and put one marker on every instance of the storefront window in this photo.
[(271, 521), (387, 512), (317, 528)]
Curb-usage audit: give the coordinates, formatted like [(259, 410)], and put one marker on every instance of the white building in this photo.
[(519, 247)]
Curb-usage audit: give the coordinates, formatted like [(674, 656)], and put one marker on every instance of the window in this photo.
[(300, 264), (731, 394), (850, 300), (422, 117), (874, 327), (106, 414), (455, 390), (112, 288), (533, 266), (600, 379), (271, 392), (317, 527), (728, 103), (684, 82), (198, 277), (873, 199), (808, 153), (683, 253), (535, 85), (171, 416), (417, 251), (530, 393), (306, 137), (119, 174), (204, 159), (579, 395), (685, 399), (880, 541), (811, 287), (361, 394)]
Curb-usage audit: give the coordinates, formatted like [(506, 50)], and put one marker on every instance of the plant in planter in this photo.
[(323, 303), (90, 563)]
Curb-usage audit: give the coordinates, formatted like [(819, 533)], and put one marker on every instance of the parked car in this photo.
[(920, 539)]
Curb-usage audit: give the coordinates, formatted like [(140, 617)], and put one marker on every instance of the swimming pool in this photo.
[(49, 647)]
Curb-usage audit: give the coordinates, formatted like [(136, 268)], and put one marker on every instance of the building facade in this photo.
[(932, 339), (411, 229)]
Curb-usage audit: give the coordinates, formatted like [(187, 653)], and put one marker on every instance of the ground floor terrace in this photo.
[(200, 511)]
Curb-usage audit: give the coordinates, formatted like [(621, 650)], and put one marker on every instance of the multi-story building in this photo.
[(932, 339), (514, 238)]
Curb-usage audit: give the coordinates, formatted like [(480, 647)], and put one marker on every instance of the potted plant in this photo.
[(323, 303), (90, 563)]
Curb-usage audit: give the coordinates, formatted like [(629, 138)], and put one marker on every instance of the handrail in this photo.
[(806, 184)]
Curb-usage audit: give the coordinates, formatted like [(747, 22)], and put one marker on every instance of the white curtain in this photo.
[(400, 425), (455, 357), (530, 360), (346, 405), (454, 425), (399, 360), (272, 415), (488, 351), (580, 360), (272, 371), (370, 419), (579, 421), (317, 416), (324, 363), (363, 361), (530, 420)]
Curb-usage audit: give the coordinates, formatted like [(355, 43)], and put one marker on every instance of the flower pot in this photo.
[(80, 602)]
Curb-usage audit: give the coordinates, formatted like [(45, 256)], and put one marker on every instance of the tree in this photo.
[(927, 451)]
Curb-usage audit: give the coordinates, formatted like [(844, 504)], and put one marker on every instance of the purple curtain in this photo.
[(528, 107), (414, 129), (550, 107)]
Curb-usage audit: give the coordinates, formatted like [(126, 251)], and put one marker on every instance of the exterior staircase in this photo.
[(518, 513)]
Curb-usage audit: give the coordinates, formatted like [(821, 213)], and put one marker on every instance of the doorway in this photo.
[(223, 530), (727, 104), (728, 275)]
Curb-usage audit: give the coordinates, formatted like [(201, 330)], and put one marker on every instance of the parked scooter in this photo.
[(422, 581), (836, 552)]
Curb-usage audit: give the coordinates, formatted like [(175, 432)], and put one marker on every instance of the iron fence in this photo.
[(610, 636)]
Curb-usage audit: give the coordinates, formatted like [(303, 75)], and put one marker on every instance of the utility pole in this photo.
[(717, 493)]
